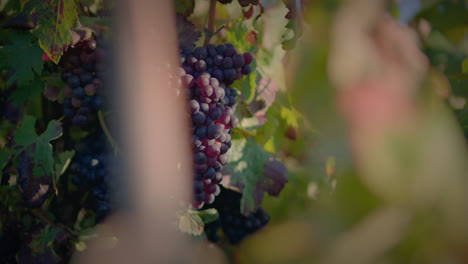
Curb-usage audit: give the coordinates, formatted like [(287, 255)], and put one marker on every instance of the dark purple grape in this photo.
[(221, 49), (200, 53), (218, 74), (78, 92), (73, 81), (209, 63), (224, 148), (80, 120), (90, 44), (209, 173), (201, 132), (218, 60), (246, 69), (86, 77), (230, 52), (248, 58), (217, 166), (230, 75), (211, 50), (198, 186), (200, 158), (216, 113), (227, 63), (238, 60), (198, 118), (97, 102), (214, 131)]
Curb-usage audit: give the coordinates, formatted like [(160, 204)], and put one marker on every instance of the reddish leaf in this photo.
[(54, 20)]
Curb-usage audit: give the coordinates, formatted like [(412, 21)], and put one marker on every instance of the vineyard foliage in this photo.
[(341, 127)]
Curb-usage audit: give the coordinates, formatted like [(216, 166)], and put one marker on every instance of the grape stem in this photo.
[(211, 18)]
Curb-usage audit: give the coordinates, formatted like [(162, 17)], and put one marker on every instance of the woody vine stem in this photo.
[(211, 17)]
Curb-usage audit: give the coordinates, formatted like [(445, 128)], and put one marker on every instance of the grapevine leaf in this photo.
[(35, 170), (97, 24), (208, 215), (248, 84), (4, 156), (191, 223), (184, 7), (293, 27), (24, 57), (238, 34), (55, 18), (187, 33), (247, 162), (53, 131), (291, 116), (25, 134), (27, 91), (32, 178)]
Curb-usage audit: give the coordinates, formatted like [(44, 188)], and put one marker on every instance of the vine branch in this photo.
[(211, 18)]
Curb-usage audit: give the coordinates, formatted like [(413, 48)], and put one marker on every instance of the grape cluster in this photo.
[(234, 224), (83, 71), (207, 73), (90, 171), (221, 62)]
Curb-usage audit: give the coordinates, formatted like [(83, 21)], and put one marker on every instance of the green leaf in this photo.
[(191, 223), (208, 215), (97, 24), (4, 156), (35, 153), (53, 131), (25, 57), (237, 35), (249, 84), (26, 133), (291, 116), (42, 245), (184, 7), (27, 91), (55, 18), (247, 161)]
